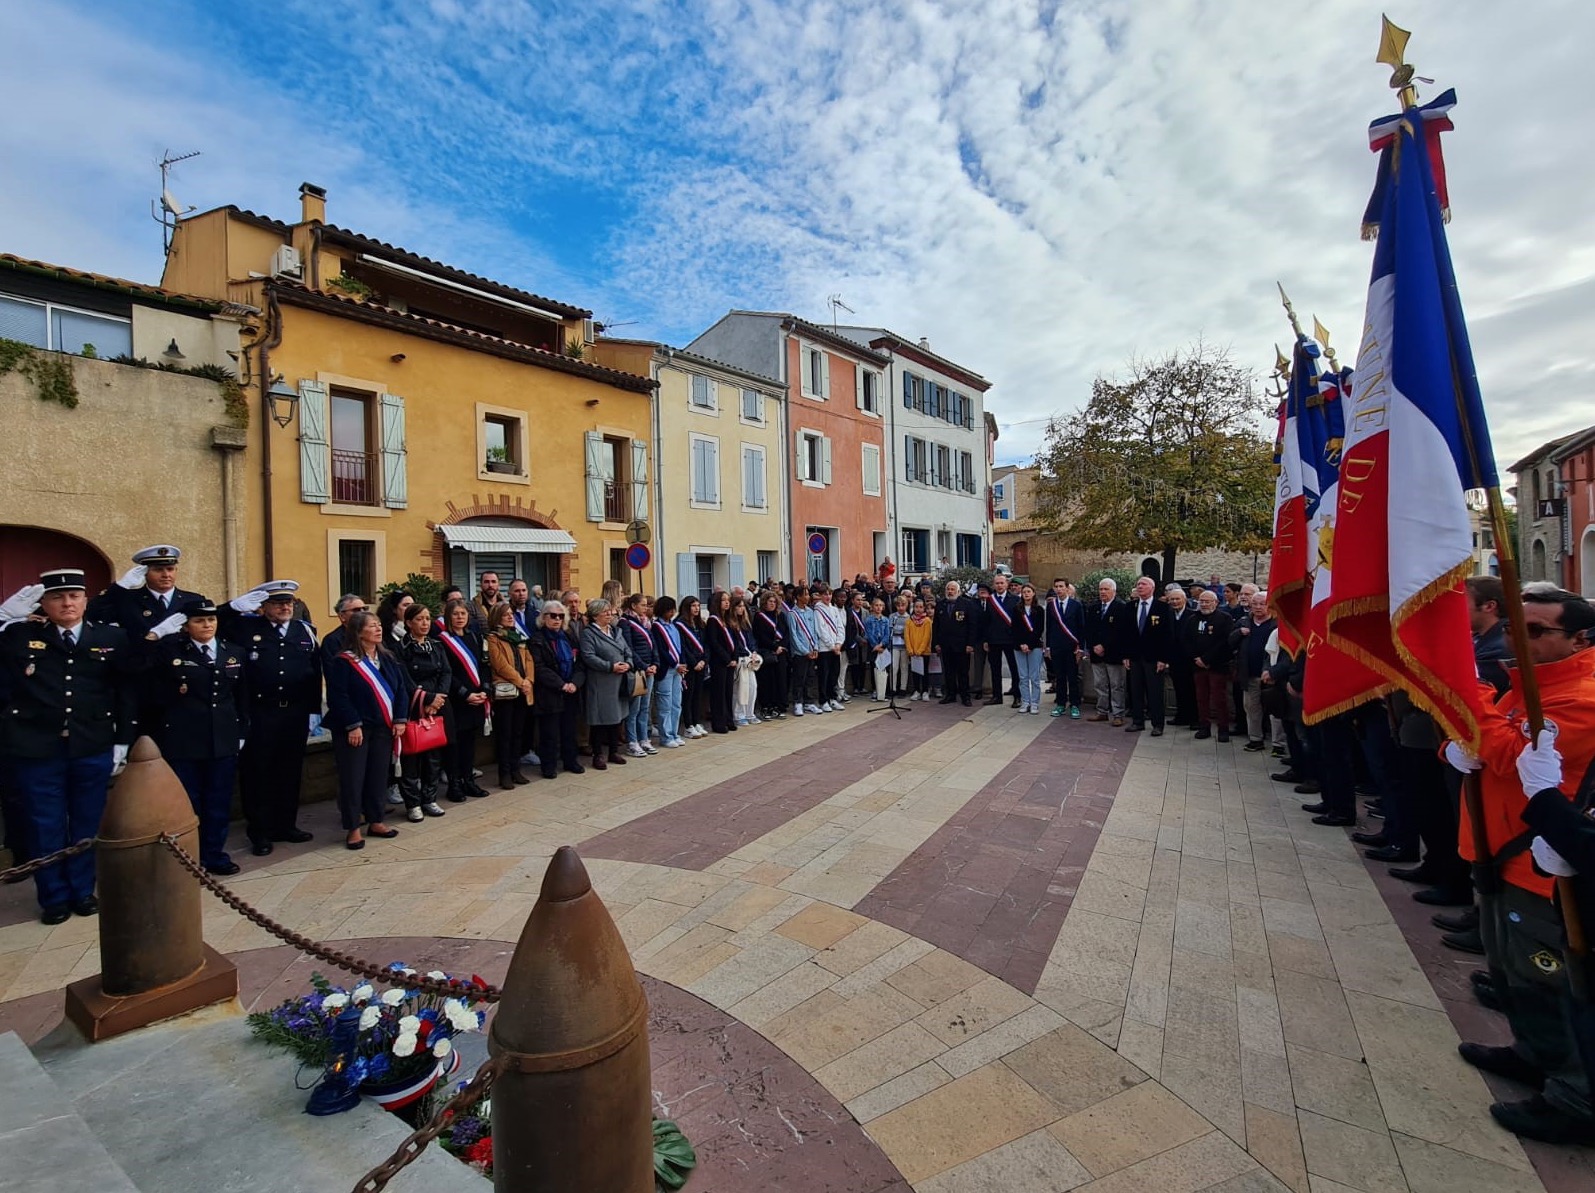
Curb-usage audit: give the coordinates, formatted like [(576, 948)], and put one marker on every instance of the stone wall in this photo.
[(1048, 555)]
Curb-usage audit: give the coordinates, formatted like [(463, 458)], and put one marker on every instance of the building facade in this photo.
[(835, 437), (417, 418), (719, 514), (1013, 496), (1556, 512), (105, 456), (1575, 462), (937, 455)]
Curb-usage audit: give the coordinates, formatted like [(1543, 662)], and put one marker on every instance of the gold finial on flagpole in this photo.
[(1281, 362), (1393, 53), (1289, 310), (1321, 334)]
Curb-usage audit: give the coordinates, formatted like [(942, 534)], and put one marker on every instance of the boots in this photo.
[(456, 792), (519, 779), (472, 787), (615, 756)]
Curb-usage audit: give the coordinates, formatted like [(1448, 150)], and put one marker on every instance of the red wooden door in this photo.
[(25, 551)]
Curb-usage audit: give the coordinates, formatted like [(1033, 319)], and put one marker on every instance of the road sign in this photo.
[(638, 556), (816, 543), (638, 532)]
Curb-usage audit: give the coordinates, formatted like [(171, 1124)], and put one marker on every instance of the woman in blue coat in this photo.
[(368, 702)]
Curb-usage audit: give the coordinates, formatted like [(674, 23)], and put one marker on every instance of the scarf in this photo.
[(564, 656)]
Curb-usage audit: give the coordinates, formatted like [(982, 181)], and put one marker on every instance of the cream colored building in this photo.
[(719, 498)]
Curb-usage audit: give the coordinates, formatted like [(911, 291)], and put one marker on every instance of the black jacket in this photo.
[(203, 706), (1065, 625), (1251, 646), (1490, 654), (1104, 627), (88, 695), (136, 610), (282, 668), (1034, 634), (1568, 829), (427, 664), (769, 633), (548, 684), (956, 625), (1151, 643), (1205, 636), (996, 629)]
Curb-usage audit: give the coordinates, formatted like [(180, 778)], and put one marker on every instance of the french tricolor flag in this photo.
[(1288, 566), (1416, 441)]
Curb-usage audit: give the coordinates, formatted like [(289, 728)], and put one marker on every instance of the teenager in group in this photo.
[(898, 679), (855, 647), (609, 663), (878, 642), (1029, 642), (672, 672), (636, 624), (744, 690), (427, 663), (1065, 647), (368, 702), (804, 634), (472, 687), (769, 638), (828, 620), (722, 648), (916, 643), (695, 657), (557, 681), (510, 663)]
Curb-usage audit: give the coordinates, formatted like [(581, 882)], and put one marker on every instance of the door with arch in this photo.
[(1586, 564), (25, 551), (1021, 558)]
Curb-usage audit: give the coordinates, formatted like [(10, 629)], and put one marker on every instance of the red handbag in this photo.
[(424, 731)]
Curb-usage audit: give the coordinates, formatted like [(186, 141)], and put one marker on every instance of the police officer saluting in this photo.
[(67, 717), (146, 595), (198, 689), (283, 666)]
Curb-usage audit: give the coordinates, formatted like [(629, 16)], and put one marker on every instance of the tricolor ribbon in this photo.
[(372, 674), (462, 656), (1057, 617), (997, 605)]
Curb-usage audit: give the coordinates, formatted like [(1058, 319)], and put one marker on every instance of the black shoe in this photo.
[(1489, 998), (995, 700), (1374, 812), (1370, 838), (1157, 731), (55, 915), (1223, 738), (1391, 853), (1017, 703), (1464, 942), (575, 768), (223, 869), (1440, 896), (966, 701), (1315, 809), (1135, 727), (1463, 921), (949, 700), (1334, 821), (86, 907), (518, 779), (1538, 1119), (1286, 776), (1202, 735), (294, 836), (1417, 874), (1254, 747), (1307, 787), (550, 773), (260, 848), (1503, 1062)]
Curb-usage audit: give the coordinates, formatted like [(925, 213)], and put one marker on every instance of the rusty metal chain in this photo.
[(39, 863), (377, 1179), (452, 988)]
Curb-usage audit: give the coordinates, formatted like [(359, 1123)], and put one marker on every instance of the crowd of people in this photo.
[(232, 693)]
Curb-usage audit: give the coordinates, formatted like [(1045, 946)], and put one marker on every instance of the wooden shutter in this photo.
[(395, 481), (908, 391), (737, 571), (825, 374), (858, 386), (686, 575), (805, 368), (803, 458), (315, 459), (825, 460), (639, 479), (595, 476)]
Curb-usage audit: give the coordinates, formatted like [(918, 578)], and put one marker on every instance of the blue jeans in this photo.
[(1029, 667), (667, 695), (637, 713), (65, 798)]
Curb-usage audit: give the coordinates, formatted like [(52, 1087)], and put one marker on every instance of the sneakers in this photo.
[(1058, 710), (814, 709), (415, 815), (797, 710), (834, 706), (431, 809), (530, 758), (1074, 712), (633, 750), (672, 743), (648, 747), (394, 798), (1035, 710)]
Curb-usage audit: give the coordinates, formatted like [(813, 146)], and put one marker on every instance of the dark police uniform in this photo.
[(202, 700), (62, 708), (283, 668)]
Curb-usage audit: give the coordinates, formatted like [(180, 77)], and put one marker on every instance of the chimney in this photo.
[(312, 203), (924, 342)]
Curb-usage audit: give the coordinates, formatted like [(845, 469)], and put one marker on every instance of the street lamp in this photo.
[(282, 399)]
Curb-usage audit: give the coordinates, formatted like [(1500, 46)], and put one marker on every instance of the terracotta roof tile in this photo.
[(104, 282)]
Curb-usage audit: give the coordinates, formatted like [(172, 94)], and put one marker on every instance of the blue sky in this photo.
[(1044, 189)]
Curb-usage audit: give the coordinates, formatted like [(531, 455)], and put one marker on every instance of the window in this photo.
[(704, 393), (753, 477), (996, 490), (618, 569), (872, 469), (357, 568), (969, 551), (813, 458), (503, 445), (609, 480), (64, 329), (752, 406), (354, 465), (943, 474), (705, 579), (705, 470), (769, 564), (915, 550), (966, 472), (816, 366), (869, 391), (915, 464), (910, 382)]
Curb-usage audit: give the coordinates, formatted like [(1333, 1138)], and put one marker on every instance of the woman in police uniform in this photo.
[(202, 718)]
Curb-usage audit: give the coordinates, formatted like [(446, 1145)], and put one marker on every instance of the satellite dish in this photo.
[(170, 203)]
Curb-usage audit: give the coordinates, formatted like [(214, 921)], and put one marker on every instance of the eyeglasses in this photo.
[(1536, 630)]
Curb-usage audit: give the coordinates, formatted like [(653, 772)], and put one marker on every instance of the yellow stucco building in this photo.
[(719, 516), (412, 417)]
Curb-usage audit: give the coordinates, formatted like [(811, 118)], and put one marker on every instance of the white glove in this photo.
[(241, 743), (169, 626), (315, 724), (133, 578), (1460, 759), (118, 760), (1549, 860), (250, 601), (21, 602), (1540, 766)]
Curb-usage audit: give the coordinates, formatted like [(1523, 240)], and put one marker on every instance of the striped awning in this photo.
[(507, 538)]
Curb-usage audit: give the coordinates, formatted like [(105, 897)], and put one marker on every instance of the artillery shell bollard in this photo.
[(154, 962), (573, 1106)]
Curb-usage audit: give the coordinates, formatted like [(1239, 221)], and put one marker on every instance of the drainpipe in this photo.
[(787, 469), (659, 475), (272, 340), (889, 456)]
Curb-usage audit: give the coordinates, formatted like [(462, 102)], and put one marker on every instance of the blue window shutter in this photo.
[(314, 447), (737, 571), (395, 481), (686, 575), (595, 476), (908, 391), (639, 479)]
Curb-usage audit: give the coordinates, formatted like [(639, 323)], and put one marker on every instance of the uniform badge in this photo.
[(148, 612), (254, 656), (257, 637), (28, 670), (1153, 619), (231, 661), (1546, 961), (35, 646), (182, 689), (177, 662)]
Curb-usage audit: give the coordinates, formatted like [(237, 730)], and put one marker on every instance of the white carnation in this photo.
[(370, 1017), (409, 1025), (405, 1044), (437, 975), (460, 1016), (392, 998), (442, 1048), (362, 993), (334, 1001)]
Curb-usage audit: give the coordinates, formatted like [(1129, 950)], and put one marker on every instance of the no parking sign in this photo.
[(638, 556), (816, 543)]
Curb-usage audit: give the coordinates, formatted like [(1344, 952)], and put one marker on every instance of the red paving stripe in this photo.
[(698, 830), (994, 883)]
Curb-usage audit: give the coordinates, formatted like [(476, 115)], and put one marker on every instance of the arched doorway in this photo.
[(1152, 567), (1021, 558), (1586, 563), (25, 551), (1537, 558)]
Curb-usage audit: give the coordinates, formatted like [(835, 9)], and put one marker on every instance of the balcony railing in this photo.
[(616, 507), (355, 478)]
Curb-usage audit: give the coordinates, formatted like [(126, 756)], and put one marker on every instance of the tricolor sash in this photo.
[(691, 637), (725, 633), (1025, 613), (997, 606), (808, 638), (770, 621), (1057, 617), (462, 657), (670, 643), (372, 674)]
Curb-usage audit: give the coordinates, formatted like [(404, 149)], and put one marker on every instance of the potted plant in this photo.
[(498, 460)]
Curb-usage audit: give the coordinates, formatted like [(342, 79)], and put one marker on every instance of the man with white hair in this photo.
[(1104, 637), (1182, 671)]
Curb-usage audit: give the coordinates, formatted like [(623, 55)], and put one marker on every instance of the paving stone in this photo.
[(1034, 1161), (1128, 1128), (1073, 1069), (1349, 1155), (1203, 1163), (1274, 1141)]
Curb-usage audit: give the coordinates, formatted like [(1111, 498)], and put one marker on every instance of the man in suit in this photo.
[(1182, 668), (1104, 634), (68, 714), (1065, 647), (997, 636), (283, 669), (1147, 651), (954, 634)]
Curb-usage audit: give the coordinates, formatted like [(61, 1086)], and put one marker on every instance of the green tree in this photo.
[(1168, 459)]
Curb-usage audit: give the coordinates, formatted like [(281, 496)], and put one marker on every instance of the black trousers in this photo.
[(771, 681), (995, 653), (419, 774), (363, 775), (1333, 746), (1182, 675), (461, 750), (692, 699), (509, 728), (1146, 693), (955, 671), (798, 674), (829, 671), (1065, 676), (556, 737), (1434, 813), (271, 767), (721, 680)]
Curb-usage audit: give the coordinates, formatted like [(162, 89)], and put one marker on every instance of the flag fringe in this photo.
[(1458, 709)]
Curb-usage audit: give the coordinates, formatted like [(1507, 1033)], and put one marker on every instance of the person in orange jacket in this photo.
[(1521, 929)]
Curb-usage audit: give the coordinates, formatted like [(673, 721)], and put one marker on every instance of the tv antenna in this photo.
[(166, 210), (836, 303)]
